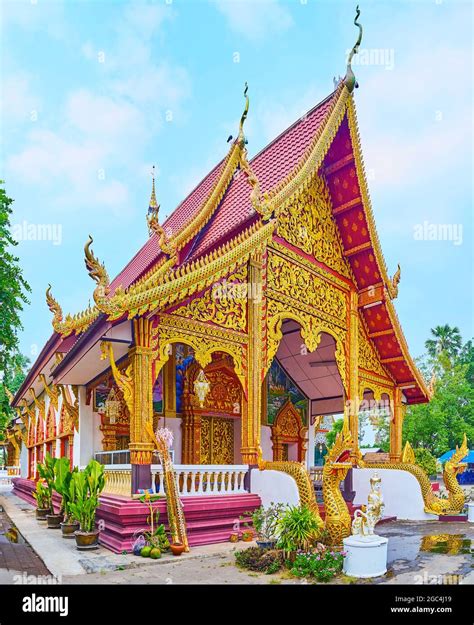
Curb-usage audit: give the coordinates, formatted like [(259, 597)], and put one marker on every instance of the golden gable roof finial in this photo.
[(242, 140), (153, 207), (55, 308), (350, 79)]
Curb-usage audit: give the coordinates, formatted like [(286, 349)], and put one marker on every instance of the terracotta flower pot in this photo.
[(247, 537), (87, 540), (234, 537), (54, 521), (177, 548), (42, 512), (68, 529)]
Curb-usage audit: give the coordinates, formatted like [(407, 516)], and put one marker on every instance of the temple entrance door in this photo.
[(217, 440), (288, 435)]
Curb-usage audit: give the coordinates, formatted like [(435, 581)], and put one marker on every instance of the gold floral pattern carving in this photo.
[(225, 304), (203, 339), (311, 329), (305, 286), (367, 355), (308, 224)]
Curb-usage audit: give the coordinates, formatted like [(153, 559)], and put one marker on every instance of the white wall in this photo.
[(274, 486), (400, 490), (23, 460), (85, 440)]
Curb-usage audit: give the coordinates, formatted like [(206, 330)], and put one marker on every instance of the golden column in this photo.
[(396, 426), (352, 400), (252, 407), (141, 361), (136, 384)]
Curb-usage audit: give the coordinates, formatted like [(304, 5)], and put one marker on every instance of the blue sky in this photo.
[(94, 93)]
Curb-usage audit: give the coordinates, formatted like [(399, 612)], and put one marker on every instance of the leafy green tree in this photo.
[(13, 289), (445, 339), (466, 357), (439, 425), (13, 377), (331, 435), (426, 461)]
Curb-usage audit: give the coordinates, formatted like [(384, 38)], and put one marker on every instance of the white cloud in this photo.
[(94, 135), (18, 104), (255, 20)]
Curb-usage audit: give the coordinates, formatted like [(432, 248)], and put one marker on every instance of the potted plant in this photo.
[(155, 537), (64, 486), (88, 484), (265, 523), (43, 501), (46, 472), (298, 530)]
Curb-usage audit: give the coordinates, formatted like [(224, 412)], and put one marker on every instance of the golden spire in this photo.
[(153, 203), (153, 207)]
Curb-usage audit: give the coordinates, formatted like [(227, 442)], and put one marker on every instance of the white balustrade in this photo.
[(8, 473), (201, 480)]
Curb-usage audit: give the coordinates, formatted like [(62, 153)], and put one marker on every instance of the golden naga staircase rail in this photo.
[(433, 504)]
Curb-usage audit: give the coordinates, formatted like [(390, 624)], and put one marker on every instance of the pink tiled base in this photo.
[(24, 489), (209, 520), (452, 518)]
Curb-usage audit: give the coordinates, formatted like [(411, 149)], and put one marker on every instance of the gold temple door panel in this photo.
[(208, 430), (217, 440)]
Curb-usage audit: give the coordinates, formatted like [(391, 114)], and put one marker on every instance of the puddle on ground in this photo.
[(451, 544), (13, 535), (409, 547)]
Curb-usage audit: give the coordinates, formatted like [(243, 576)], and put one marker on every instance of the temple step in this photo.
[(209, 520)]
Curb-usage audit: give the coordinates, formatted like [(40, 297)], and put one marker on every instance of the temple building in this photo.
[(258, 309)]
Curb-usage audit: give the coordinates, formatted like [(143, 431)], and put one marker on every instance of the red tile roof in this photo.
[(150, 251), (271, 165)]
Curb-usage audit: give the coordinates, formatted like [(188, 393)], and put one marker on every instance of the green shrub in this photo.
[(425, 460), (265, 521), (261, 560), (322, 565), (299, 529)]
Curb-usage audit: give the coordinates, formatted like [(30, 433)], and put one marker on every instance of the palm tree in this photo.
[(446, 340)]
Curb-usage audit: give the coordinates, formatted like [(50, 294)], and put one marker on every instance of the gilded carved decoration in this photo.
[(288, 428), (225, 391), (306, 287), (51, 391), (307, 223), (368, 358), (203, 339), (71, 408), (311, 329), (51, 423), (378, 388), (217, 440), (225, 304)]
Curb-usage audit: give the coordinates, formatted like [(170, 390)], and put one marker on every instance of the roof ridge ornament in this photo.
[(394, 282), (350, 79), (241, 138), (153, 206)]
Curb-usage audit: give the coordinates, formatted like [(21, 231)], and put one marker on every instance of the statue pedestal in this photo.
[(470, 512), (365, 556)]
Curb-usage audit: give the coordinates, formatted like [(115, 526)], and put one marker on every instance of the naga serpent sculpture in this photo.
[(433, 504), (338, 521)]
